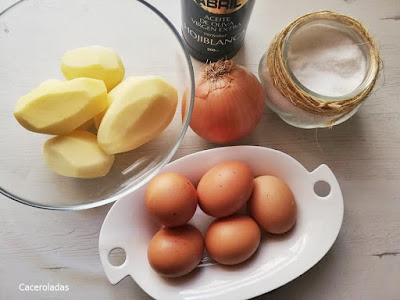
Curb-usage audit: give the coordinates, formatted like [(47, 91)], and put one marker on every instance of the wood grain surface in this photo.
[(40, 247)]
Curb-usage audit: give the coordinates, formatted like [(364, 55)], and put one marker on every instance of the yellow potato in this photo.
[(77, 155), (94, 62), (58, 107), (141, 108), (96, 119)]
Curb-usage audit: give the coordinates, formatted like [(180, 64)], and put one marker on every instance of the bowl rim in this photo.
[(133, 186)]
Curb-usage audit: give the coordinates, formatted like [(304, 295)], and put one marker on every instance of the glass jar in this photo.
[(297, 104)]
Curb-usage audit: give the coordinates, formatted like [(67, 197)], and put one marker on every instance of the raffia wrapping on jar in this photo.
[(285, 84)]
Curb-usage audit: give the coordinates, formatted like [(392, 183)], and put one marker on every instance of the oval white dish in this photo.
[(279, 259)]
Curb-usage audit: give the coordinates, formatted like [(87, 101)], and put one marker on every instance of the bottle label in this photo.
[(214, 29), (220, 7)]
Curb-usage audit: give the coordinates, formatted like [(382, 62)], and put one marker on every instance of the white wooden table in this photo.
[(40, 247)]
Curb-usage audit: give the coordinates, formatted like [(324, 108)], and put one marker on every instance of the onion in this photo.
[(229, 102)]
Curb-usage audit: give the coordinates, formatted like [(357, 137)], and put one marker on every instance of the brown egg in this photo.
[(232, 240), (177, 251), (171, 199), (272, 204), (225, 188)]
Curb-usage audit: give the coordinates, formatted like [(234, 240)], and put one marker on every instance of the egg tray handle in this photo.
[(114, 273), (324, 173)]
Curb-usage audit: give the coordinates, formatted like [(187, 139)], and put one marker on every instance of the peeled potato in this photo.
[(77, 155), (59, 107), (94, 62), (141, 107)]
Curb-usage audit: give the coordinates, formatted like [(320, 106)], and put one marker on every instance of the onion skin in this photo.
[(228, 104)]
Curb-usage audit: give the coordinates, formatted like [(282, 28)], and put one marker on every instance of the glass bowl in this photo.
[(34, 35)]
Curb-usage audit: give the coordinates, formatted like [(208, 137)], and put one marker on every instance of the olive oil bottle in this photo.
[(215, 29)]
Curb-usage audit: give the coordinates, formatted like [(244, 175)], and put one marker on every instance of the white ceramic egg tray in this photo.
[(279, 259)]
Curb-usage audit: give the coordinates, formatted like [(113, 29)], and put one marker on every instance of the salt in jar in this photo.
[(319, 69)]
